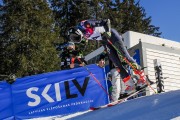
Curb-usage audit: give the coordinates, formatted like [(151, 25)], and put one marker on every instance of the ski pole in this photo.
[(135, 70), (95, 79)]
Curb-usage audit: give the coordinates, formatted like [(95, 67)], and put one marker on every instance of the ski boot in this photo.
[(140, 78), (130, 87)]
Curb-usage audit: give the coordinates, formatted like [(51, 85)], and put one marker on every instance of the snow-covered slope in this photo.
[(164, 106)]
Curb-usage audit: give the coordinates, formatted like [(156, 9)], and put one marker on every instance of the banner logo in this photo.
[(36, 99)]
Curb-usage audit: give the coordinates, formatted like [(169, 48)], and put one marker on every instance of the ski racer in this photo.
[(101, 30)]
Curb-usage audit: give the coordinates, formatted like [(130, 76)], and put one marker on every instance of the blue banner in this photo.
[(56, 93), (6, 106)]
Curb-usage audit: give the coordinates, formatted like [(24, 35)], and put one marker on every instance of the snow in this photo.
[(164, 106)]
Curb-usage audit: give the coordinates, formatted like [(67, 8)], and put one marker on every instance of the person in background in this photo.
[(101, 63), (76, 61), (71, 58), (65, 56)]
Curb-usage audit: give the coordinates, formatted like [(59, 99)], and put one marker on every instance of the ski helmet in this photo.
[(70, 46), (75, 35), (87, 24)]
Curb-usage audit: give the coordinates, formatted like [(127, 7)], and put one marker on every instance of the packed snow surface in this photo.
[(164, 106)]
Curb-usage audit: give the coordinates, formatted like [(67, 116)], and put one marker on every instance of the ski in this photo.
[(118, 101), (139, 72)]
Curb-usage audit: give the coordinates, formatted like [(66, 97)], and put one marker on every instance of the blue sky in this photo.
[(166, 15)]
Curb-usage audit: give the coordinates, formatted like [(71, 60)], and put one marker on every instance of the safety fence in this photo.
[(55, 93)]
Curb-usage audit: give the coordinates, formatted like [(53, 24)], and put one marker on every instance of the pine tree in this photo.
[(131, 16), (125, 15), (26, 37), (68, 14)]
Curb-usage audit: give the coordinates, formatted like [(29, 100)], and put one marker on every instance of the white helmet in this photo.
[(75, 35)]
